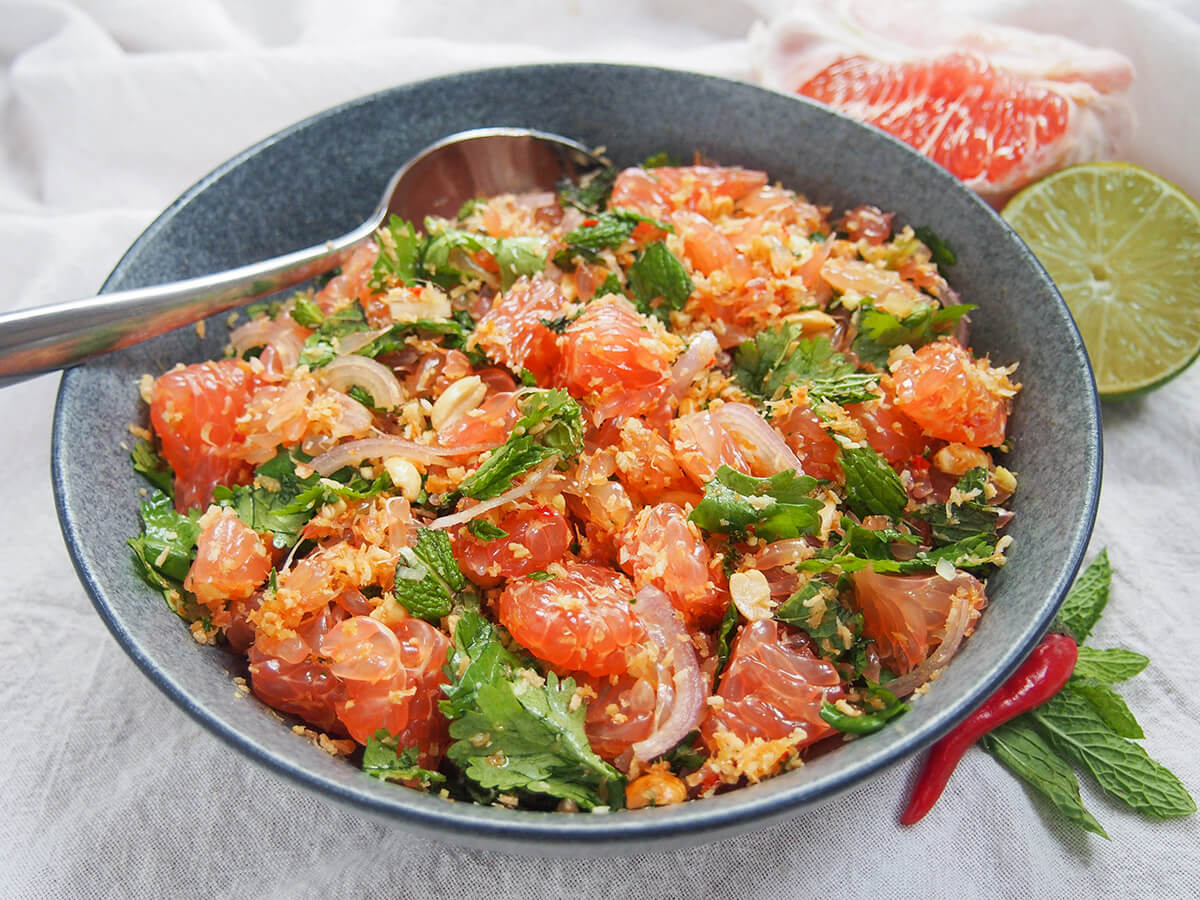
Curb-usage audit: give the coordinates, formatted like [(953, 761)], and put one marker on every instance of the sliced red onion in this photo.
[(374, 377), (536, 477), (759, 438), (283, 335), (699, 355), (681, 686), (352, 343), (956, 626), (352, 453)]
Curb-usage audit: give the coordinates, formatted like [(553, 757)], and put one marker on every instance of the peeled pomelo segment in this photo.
[(983, 124)]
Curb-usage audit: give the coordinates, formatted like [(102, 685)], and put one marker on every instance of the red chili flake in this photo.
[(918, 464), (416, 290), (590, 222)]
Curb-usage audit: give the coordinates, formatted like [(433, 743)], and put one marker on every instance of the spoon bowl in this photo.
[(434, 182)]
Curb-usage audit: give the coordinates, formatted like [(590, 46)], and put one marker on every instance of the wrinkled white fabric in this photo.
[(109, 110)]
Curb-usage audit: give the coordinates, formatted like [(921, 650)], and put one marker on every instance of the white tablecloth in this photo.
[(109, 110)]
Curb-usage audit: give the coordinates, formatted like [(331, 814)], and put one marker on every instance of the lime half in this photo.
[(1123, 247)]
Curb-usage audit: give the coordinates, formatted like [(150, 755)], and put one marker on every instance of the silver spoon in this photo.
[(437, 181)]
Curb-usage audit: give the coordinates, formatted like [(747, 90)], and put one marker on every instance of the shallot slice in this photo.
[(536, 477), (681, 685), (354, 452), (956, 626)]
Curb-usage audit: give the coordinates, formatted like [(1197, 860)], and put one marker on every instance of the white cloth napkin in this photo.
[(109, 110)]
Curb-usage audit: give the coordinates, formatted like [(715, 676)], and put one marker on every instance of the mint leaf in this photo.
[(591, 194), (307, 313), (879, 331), (660, 159), (610, 285), (1110, 705), (479, 656), (1107, 666), (872, 486), (382, 760), (1087, 598), (1026, 754), (778, 358), (526, 737), (442, 261), (551, 425), (939, 250), (320, 347), (952, 522), (873, 717), (836, 631), (485, 530), (1122, 768), (773, 508), (607, 230), (152, 467), (659, 281), (428, 579)]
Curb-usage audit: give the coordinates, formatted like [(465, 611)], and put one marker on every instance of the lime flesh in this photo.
[(1123, 248)]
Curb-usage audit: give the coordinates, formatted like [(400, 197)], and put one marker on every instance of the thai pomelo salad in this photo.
[(615, 496)]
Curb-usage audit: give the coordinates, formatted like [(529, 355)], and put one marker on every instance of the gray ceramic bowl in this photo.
[(324, 175)]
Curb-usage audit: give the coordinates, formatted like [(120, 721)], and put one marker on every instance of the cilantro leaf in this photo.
[(880, 331), (307, 313), (1107, 666), (152, 467), (610, 285), (1087, 598), (1110, 705), (382, 760), (1122, 768), (726, 632), (168, 538), (591, 194), (551, 424), (485, 530), (774, 508), (1026, 754), (400, 254), (872, 486), (950, 522), (939, 250), (526, 737), (780, 357), (428, 579), (656, 275), (514, 256), (320, 348), (477, 657), (684, 757)]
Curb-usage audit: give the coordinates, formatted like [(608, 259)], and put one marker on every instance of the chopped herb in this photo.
[(779, 358), (152, 467), (879, 331), (469, 207), (835, 632), (952, 522), (608, 229), (591, 194), (726, 632), (872, 486), (526, 737), (558, 324), (514, 257), (167, 544), (307, 313), (485, 530), (868, 722), (400, 255), (381, 759), (661, 159), (939, 250), (428, 579), (540, 576), (479, 656), (773, 508), (684, 757), (362, 395), (659, 281), (610, 285), (551, 425)]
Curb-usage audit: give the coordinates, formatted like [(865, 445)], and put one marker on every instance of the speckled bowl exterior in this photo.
[(323, 176)]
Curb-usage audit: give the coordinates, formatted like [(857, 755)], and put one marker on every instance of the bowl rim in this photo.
[(556, 834)]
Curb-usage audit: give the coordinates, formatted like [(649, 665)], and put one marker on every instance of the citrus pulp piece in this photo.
[(1123, 247)]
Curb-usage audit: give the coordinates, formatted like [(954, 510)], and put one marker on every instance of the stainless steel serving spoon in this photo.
[(437, 181)]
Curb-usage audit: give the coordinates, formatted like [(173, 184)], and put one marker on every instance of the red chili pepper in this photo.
[(1038, 679), (590, 222), (416, 290), (918, 464)]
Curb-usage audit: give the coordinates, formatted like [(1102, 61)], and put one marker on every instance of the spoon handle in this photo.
[(45, 338)]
